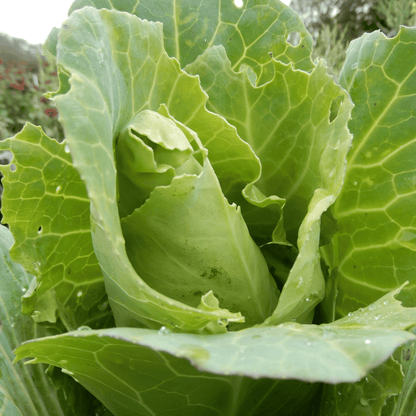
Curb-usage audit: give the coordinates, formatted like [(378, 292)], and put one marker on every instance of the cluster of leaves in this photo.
[(224, 230), (22, 100)]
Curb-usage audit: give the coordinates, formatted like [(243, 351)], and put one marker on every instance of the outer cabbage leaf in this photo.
[(367, 397), (126, 368), (47, 209), (251, 35), (26, 390), (118, 68), (302, 147), (377, 226), (406, 403)]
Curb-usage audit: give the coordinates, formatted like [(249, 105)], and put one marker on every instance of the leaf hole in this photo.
[(13, 167), (40, 229), (5, 157), (334, 108), (293, 38)]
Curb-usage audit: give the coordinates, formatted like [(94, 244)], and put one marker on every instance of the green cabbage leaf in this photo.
[(225, 230)]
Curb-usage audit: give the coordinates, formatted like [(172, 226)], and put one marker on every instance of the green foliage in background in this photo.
[(334, 24)]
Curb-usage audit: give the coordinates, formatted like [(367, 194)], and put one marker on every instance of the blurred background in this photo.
[(25, 75)]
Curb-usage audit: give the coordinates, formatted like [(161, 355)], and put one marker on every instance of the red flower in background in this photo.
[(19, 85), (50, 112)]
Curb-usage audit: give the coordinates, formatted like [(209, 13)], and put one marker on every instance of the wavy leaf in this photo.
[(126, 368)]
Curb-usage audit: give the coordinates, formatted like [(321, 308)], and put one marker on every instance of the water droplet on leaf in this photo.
[(83, 328), (164, 331)]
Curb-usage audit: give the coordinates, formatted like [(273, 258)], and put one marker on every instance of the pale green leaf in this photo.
[(302, 147), (219, 252), (114, 76), (126, 368), (406, 403), (46, 207), (144, 372), (251, 35), (23, 390), (377, 224), (368, 396)]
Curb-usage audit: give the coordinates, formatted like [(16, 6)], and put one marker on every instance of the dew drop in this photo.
[(164, 331), (363, 401), (354, 66), (24, 289), (377, 317), (58, 189), (300, 283), (350, 314), (367, 341), (67, 149), (355, 183), (372, 307), (79, 294), (83, 328), (308, 299), (386, 302)]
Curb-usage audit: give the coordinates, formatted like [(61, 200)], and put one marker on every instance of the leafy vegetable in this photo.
[(224, 230)]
